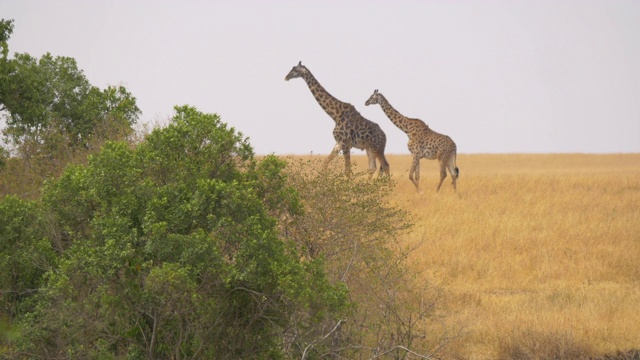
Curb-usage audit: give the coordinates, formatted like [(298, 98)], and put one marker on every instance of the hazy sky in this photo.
[(499, 76)]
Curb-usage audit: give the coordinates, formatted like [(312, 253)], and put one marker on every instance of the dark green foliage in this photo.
[(52, 91), (53, 116), (4, 155), (169, 251), (6, 29), (25, 254)]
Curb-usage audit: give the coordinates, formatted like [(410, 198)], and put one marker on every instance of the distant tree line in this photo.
[(183, 244)]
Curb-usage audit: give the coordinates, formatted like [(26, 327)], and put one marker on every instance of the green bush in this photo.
[(188, 246), (169, 251), (25, 255)]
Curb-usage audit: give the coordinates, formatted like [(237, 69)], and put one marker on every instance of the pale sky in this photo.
[(501, 76)]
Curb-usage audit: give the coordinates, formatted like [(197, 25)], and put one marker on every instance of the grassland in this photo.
[(538, 256)]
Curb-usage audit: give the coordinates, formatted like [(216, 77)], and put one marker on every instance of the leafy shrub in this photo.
[(168, 251)]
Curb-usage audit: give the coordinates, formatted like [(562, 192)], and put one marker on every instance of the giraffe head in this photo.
[(297, 71), (374, 98)]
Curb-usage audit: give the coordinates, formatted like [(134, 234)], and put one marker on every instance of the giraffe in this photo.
[(423, 143), (352, 130)]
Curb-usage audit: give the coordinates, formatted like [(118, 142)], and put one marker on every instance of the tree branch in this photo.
[(304, 353), (400, 347)]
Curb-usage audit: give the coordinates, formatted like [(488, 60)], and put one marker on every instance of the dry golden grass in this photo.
[(538, 255)]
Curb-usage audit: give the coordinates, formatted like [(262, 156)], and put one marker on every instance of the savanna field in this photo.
[(536, 256)]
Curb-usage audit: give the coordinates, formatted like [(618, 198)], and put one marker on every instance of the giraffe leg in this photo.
[(372, 162), (384, 166), (414, 173), (332, 155), (453, 170), (346, 151), (443, 173)]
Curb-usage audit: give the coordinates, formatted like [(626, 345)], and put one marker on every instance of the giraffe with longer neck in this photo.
[(352, 130), (423, 142)]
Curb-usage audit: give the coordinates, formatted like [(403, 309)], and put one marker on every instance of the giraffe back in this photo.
[(354, 130), (430, 144)]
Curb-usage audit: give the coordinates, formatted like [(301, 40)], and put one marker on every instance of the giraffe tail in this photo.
[(453, 167)]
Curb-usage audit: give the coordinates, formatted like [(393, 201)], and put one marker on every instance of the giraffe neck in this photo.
[(398, 119), (329, 104)]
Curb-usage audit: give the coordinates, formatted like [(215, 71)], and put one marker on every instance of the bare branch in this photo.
[(304, 353), (400, 347)]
